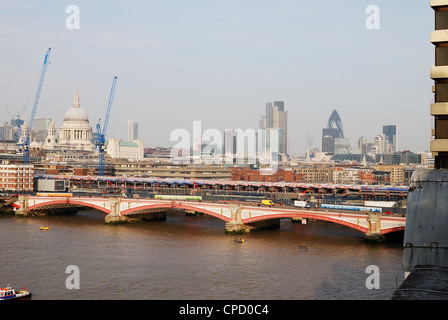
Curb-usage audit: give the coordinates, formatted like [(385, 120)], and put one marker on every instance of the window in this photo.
[(441, 127), (441, 92), (441, 56), (441, 20)]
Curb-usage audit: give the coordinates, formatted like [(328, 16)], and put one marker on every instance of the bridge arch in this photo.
[(391, 230), (358, 227), (67, 203), (185, 206)]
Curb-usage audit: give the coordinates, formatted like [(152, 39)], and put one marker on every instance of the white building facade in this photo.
[(129, 150)]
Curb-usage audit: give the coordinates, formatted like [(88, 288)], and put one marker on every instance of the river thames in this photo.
[(191, 258)]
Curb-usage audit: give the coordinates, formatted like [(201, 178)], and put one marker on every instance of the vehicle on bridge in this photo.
[(301, 204), (177, 197), (267, 202), (54, 194), (352, 208)]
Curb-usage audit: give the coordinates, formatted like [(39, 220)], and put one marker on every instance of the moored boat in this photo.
[(9, 293)]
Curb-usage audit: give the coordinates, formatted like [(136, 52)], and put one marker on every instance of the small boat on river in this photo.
[(9, 293)]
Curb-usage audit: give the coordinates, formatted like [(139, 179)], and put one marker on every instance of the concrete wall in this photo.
[(426, 235)]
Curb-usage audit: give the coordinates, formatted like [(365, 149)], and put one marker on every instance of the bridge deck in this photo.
[(220, 210)]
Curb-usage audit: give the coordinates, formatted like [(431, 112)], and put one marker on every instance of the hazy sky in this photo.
[(219, 61)]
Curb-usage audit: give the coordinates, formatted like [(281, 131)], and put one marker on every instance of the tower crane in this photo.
[(24, 141), (101, 139)]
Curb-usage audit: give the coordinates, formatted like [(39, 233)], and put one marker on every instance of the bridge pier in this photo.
[(23, 202), (374, 234), (236, 226), (114, 217)]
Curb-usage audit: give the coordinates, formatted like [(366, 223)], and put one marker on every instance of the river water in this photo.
[(191, 258)]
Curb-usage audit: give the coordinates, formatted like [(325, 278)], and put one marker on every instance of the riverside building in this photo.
[(16, 177), (439, 73)]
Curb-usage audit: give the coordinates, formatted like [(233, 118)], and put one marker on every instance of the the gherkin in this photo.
[(335, 123)]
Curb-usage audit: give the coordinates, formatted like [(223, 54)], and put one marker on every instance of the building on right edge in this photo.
[(439, 73), (425, 253)]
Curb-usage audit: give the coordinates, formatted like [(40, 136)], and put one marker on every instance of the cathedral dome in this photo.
[(76, 113), (75, 132)]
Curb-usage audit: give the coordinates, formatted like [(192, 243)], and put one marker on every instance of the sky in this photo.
[(218, 62)]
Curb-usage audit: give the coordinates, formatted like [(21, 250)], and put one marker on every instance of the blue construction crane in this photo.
[(101, 139), (25, 143)]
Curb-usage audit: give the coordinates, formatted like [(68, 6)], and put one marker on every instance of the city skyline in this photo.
[(220, 62)]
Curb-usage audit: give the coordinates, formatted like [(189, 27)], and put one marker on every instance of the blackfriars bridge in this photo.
[(239, 217)]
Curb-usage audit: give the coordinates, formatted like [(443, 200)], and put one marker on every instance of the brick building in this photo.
[(249, 174), (396, 173), (16, 177)]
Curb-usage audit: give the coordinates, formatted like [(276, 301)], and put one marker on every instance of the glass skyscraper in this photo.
[(391, 134), (333, 131), (276, 118), (132, 130)]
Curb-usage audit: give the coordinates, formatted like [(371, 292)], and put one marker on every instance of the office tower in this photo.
[(279, 120), (334, 130), (381, 145), (280, 105), (335, 122), (268, 114), (439, 73), (229, 142), (390, 131), (268, 143), (328, 144), (275, 118), (262, 122), (328, 136), (132, 130), (6, 132), (40, 128), (342, 146), (16, 123)]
